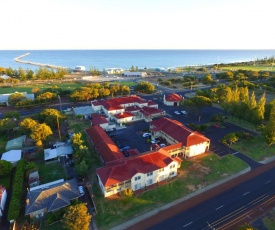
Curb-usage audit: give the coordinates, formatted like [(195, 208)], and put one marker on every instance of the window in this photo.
[(161, 170), (137, 178), (172, 166), (150, 181), (150, 174), (137, 186), (172, 173)]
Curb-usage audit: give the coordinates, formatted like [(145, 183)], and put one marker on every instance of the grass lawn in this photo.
[(128, 83), (55, 226), (28, 87), (50, 172), (78, 126), (242, 123), (249, 67), (255, 148), (269, 220), (193, 175)]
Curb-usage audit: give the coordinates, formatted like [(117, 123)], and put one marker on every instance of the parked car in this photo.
[(183, 112), (177, 112), (162, 145), (81, 190), (146, 134)]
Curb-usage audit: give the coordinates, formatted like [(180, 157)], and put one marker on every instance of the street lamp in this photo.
[(59, 102)]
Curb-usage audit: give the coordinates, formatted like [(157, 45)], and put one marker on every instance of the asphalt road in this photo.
[(220, 205)]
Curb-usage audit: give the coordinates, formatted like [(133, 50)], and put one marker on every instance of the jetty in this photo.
[(18, 59)]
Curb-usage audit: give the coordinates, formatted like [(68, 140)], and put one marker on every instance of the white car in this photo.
[(177, 112), (146, 134), (183, 112), (162, 145), (81, 190)]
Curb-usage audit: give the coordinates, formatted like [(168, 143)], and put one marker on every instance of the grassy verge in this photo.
[(128, 83), (193, 175), (269, 221), (255, 148), (50, 172), (242, 123), (249, 67)]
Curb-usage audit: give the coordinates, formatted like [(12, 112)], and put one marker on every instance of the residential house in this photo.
[(3, 198), (182, 140), (113, 70), (100, 120), (51, 197), (151, 112), (172, 99), (104, 145), (137, 172), (60, 150)]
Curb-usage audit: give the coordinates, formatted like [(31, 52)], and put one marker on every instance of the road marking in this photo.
[(187, 224), (235, 153), (268, 182), (245, 193), (219, 207)]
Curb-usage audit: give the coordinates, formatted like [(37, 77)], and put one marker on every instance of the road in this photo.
[(222, 206)]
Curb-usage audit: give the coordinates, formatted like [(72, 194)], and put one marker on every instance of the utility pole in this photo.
[(58, 127), (59, 102)]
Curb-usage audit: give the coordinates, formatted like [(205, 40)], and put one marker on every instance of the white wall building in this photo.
[(134, 74)]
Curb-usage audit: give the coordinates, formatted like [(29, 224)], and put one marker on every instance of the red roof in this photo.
[(173, 97), (123, 115), (147, 111), (150, 103), (178, 131), (104, 144), (125, 169), (98, 119)]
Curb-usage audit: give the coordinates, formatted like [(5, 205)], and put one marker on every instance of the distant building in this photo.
[(3, 198), (79, 69), (172, 99), (134, 74), (113, 70), (4, 98)]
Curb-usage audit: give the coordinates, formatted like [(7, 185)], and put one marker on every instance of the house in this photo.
[(100, 120), (151, 112), (172, 99), (3, 198), (134, 74), (4, 98), (104, 145), (12, 156), (128, 108), (33, 179), (79, 69), (137, 172), (51, 197), (113, 70), (16, 143), (60, 150), (85, 111), (182, 140)]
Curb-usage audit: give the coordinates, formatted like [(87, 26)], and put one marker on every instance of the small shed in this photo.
[(85, 111), (12, 156), (52, 154), (16, 143)]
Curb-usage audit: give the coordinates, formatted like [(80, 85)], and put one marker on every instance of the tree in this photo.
[(22, 74), (76, 217), (35, 90), (28, 124), (144, 87), (260, 110), (12, 114), (6, 125), (76, 140), (5, 167), (132, 69), (269, 129), (207, 79), (40, 132), (82, 168), (230, 138), (16, 97), (50, 116), (45, 97), (26, 103), (246, 227)]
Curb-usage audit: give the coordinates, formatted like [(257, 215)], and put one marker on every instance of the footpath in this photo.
[(153, 217)]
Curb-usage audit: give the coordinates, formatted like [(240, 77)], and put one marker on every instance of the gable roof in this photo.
[(123, 115), (173, 97), (51, 196), (104, 144), (124, 169), (147, 111), (178, 131), (98, 119)]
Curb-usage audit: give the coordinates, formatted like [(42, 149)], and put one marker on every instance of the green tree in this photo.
[(269, 130), (50, 116), (36, 90), (12, 114), (144, 87), (76, 140), (5, 167), (230, 139), (260, 110), (207, 79), (76, 217), (6, 124), (82, 167), (40, 132), (22, 74), (132, 69)]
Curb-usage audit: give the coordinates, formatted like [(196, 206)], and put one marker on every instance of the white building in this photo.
[(172, 99), (113, 70), (54, 153), (137, 172), (4, 98)]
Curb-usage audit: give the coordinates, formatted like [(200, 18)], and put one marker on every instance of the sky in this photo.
[(137, 24)]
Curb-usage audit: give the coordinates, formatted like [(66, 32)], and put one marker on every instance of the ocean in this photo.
[(101, 59)]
